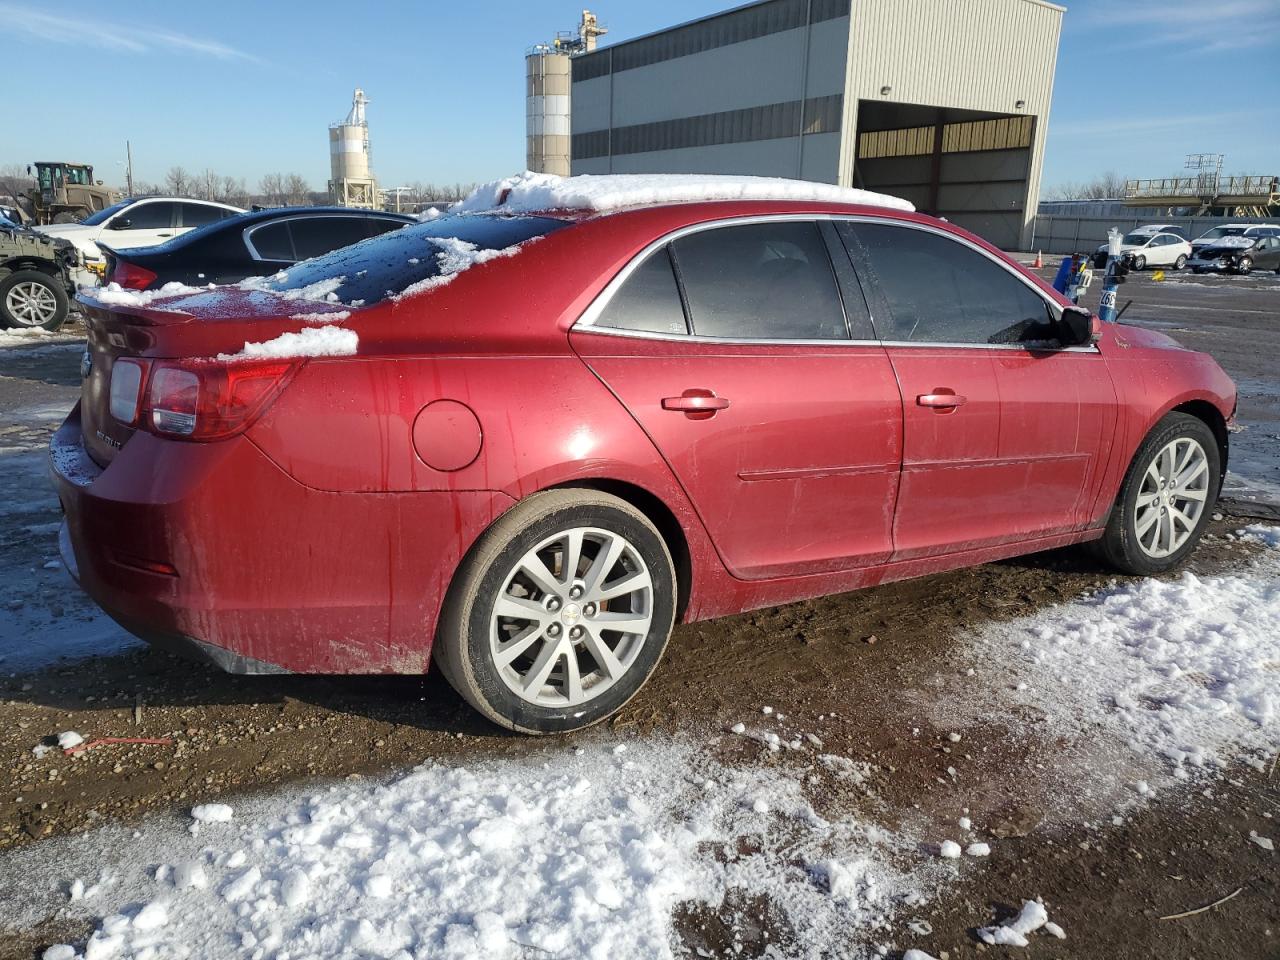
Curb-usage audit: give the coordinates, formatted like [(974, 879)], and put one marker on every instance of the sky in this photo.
[(251, 88)]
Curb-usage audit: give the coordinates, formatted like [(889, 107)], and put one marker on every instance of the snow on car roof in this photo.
[(530, 192)]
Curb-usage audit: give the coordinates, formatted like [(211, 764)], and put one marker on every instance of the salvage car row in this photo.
[(146, 242), (1238, 248)]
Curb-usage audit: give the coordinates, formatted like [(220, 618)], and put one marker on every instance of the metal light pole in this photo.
[(128, 169)]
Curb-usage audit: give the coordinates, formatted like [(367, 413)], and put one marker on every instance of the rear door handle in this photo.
[(696, 404), (941, 398)]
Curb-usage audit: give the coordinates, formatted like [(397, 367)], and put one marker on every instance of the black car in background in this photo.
[(254, 244), (1240, 254)]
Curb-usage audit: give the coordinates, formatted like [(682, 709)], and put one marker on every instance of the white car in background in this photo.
[(137, 222), (1150, 249), (1249, 230)]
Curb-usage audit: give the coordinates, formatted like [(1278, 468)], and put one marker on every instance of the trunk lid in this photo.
[(154, 325)]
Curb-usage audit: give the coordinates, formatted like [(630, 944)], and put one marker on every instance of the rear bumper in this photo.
[(213, 551)]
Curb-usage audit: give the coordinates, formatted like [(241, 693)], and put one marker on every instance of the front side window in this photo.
[(760, 281), (938, 290), (146, 216), (648, 301)]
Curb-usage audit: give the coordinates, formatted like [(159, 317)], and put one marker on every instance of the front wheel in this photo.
[(31, 298), (1139, 262), (1180, 262), (560, 612), (1244, 266), (1166, 498)]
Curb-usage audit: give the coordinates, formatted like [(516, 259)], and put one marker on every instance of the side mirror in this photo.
[(120, 223), (1079, 327)]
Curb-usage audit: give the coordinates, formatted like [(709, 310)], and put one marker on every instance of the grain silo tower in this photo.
[(547, 96), (352, 183)]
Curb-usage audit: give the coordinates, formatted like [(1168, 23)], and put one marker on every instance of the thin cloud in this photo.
[(1130, 126), (119, 38), (1200, 26)]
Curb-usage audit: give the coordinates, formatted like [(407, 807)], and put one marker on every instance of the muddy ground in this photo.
[(853, 669)]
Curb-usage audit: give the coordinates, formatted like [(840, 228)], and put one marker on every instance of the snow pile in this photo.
[(211, 813), (1235, 243), (69, 739), (536, 192), (334, 316), (558, 855), (1013, 933), (453, 257), (114, 295), (1179, 672), (311, 342), (322, 291)]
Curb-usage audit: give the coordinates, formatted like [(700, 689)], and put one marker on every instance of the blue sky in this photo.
[(249, 88)]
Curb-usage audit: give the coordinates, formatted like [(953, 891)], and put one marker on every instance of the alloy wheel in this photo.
[(1172, 498), (571, 618), (31, 304)]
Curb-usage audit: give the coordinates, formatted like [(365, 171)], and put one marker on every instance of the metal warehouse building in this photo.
[(942, 102)]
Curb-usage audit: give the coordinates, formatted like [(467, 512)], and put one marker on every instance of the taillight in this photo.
[(130, 275), (211, 400), (174, 401), (127, 377)]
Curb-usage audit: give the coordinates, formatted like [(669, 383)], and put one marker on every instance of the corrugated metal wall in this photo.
[(966, 54)]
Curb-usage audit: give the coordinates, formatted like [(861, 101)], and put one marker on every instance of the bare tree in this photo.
[(178, 183), (234, 192), (296, 190), (14, 180), (271, 187), (1105, 186)]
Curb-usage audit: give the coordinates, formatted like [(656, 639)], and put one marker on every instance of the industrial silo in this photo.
[(547, 96), (352, 183), (547, 110)]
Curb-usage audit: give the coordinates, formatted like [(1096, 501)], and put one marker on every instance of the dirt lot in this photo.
[(856, 670)]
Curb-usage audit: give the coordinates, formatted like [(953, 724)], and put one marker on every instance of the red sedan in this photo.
[(527, 443)]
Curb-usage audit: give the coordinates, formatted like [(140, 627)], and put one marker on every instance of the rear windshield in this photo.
[(386, 265)]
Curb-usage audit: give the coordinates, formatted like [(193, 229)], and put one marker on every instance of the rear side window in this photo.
[(761, 281), (315, 236), (273, 241), (937, 290), (198, 214), (386, 265), (648, 301)]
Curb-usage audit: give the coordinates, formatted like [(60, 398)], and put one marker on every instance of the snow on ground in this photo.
[(46, 617), (1150, 682), (533, 192), (35, 337), (308, 342), (574, 853)]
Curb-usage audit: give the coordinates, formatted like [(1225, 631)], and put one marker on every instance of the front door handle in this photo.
[(696, 404), (942, 398)]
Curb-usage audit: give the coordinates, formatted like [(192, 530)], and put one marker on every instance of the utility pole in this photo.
[(128, 169)]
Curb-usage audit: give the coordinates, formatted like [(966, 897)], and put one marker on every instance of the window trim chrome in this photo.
[(586, 320)]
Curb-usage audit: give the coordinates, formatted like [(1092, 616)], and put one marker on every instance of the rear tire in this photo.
[(523, 635), (1167, 496), (31, 299)]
